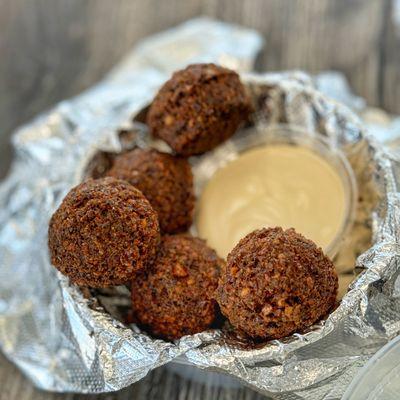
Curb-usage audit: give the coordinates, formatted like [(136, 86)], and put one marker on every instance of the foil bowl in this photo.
[(215, 349)]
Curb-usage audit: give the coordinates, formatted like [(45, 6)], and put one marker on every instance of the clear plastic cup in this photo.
[(380, 377), (260, 135)]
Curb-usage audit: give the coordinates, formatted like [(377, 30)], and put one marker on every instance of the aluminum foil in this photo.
[(65, 339)]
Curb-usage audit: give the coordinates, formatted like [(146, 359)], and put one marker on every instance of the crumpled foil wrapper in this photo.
[(63, 339)]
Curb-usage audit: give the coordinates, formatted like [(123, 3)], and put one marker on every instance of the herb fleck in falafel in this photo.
[(176, 296), (165, 180), (275, 283), (103, 233), (198, 108)]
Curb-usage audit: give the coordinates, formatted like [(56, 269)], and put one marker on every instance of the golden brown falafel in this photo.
[(103, 232), (275, 283), (176, 296), (165, 180), (198, 108)]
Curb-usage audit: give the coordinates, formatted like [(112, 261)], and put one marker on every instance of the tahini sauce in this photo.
[(273, 185)]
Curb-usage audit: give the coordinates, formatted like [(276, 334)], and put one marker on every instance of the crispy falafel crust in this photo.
[(275, 283), (198, 108), (103, 233), (165, 180), (176, 296)]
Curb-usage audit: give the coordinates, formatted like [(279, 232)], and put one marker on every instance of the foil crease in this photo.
[(66, 339)]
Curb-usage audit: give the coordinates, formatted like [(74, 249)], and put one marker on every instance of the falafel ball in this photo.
[(275, 283), (165, 180), (176, 296), (103, 232), (198, 108)]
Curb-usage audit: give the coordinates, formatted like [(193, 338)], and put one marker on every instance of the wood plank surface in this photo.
[(53, 49)]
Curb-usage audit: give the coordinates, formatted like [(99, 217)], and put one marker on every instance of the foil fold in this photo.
[(66, 339)]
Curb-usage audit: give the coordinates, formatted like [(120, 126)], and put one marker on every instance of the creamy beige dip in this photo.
[(273, 185)]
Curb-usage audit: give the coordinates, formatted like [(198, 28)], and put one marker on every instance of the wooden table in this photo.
[(53, 49)]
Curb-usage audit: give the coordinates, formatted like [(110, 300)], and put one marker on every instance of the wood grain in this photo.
[(315, 35), (53, 49), (389, 84)]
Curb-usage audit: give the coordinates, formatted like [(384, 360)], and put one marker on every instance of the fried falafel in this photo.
[(103, 232), (198, 108), (276, 282)]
